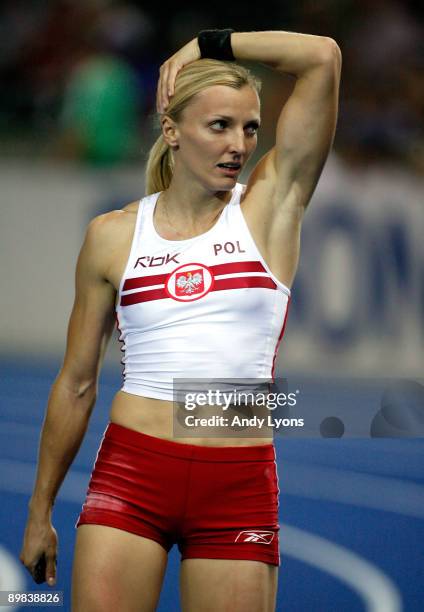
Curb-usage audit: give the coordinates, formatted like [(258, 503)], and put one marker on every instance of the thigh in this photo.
[(228, 585), (116, 570)]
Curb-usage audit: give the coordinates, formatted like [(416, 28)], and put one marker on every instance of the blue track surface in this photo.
[(364, 498)]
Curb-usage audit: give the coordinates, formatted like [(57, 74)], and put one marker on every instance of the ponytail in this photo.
[(160, 167)]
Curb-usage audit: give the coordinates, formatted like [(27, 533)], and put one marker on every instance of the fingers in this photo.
[(159, 102), (44, 570), (164, 98), (50, 574), (39, 570), (169, 71), (166, 85), (172, 75), (39, 551)]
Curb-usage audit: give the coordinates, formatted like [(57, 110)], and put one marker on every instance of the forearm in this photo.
[(67, 416), (288, 52)]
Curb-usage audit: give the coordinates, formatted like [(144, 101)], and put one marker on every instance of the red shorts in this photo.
[(214, 502)]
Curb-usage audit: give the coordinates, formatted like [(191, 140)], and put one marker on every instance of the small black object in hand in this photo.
[(39, 573)]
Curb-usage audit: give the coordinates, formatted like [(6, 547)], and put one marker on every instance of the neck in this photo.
[(189, 208)]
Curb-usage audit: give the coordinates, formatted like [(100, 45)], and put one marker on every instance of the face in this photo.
[(216, 135)]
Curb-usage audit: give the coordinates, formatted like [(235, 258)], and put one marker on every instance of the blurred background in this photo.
[(77, 119)]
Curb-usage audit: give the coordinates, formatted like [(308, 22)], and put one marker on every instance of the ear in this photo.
[(170, 131)]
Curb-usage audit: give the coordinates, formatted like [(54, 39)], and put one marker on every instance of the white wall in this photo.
[(44, 212)]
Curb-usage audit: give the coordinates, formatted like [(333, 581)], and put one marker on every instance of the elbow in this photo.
[(330, 52), (84, 396), (77, 387), (330, 60), (86, 389)]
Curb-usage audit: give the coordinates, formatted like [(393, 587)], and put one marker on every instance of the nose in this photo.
[(238, 142)]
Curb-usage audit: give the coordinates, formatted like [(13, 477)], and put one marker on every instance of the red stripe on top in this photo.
[(220, 284), (244, 281), (143, 296), (280, 337), (226, 268), (144, 281), (237, 266)]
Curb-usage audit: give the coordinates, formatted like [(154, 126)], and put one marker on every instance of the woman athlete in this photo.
[(199, 274)]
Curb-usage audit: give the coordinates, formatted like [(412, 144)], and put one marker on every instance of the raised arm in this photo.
[(72, 396), (307, 123), (282, 183)]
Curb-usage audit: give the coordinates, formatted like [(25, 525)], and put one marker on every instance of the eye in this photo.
[(252, 128), (219, 125)]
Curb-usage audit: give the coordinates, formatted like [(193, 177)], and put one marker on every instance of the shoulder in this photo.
[(107, 235), (109, 221), (109, 227), (132, 207)]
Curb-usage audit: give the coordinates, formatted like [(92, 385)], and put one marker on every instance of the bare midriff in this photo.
[(154, 417)]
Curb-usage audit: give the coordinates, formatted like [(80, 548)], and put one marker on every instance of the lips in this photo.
[(230, 168), (230, 165), (229, 171)]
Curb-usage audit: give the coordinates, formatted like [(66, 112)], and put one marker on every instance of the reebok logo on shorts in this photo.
[(260, 537)]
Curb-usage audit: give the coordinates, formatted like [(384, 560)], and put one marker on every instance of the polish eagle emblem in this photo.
[(190, 282)]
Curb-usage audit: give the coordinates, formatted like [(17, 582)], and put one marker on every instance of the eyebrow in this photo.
[(228, 118)]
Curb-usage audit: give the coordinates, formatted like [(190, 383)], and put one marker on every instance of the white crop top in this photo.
[(206, 307)]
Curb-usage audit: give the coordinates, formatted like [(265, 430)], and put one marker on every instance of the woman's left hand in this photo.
[(169, 70)]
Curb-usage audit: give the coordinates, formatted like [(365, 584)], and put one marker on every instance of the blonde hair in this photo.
[(191, 79)]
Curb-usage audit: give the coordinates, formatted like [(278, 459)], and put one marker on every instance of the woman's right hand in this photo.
[(39, 550), (169, 70)]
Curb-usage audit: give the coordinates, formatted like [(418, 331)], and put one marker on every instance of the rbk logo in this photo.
[(161, 260), (260, 537)]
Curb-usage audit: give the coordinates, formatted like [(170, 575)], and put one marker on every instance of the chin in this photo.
[(215, 184), (227, 183), (220, 185)]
